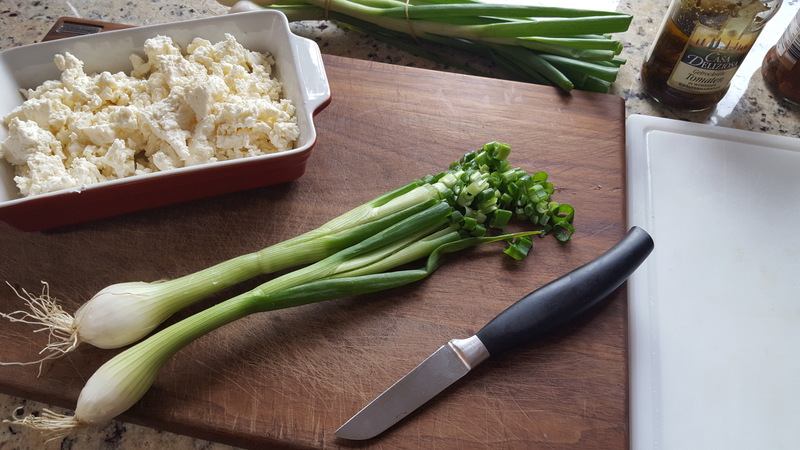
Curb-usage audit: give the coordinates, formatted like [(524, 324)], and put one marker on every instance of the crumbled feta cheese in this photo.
[(217, 101)]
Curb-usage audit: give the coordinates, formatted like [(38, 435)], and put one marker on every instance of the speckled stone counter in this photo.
[(748, 106)]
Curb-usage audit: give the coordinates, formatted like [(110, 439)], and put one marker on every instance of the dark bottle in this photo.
[(780, 68), (699, 48)]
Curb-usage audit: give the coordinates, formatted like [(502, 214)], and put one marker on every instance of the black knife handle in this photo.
[(563, 299)]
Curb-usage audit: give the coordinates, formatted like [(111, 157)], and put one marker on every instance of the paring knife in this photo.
[(546, 308)]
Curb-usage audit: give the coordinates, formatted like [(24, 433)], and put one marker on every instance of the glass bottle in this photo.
[(699, 48), (780, 69)]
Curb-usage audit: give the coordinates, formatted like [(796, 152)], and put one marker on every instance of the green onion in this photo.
[(123, 380), (354, 253), (501, 218), (124, 313), (518, 248), (564, 47)]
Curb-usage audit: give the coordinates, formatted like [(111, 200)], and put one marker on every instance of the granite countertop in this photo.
[(748, 106)]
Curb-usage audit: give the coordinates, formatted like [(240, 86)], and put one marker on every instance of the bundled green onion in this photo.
[(563, 47), (438, 214)]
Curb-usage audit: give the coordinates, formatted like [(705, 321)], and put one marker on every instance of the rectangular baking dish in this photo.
[(298, 65)]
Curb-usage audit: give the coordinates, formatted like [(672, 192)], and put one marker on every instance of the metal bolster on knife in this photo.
[(471, 351)]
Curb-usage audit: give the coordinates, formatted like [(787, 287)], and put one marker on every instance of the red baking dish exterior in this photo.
[(69, 207), (298, 66)]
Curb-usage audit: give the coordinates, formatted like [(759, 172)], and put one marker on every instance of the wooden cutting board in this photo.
[(290, 378)]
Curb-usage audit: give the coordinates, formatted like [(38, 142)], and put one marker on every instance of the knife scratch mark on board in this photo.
[(230, 378), (441, 95), (511, 96)]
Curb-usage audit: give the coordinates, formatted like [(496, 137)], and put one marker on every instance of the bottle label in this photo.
[(788, 45), (710, 60)]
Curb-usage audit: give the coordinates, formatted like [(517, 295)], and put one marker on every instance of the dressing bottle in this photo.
[(699, 47)]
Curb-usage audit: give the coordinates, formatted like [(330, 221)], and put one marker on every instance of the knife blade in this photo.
[(539, 312)]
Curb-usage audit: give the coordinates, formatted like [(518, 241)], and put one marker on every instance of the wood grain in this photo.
[(289, 378)]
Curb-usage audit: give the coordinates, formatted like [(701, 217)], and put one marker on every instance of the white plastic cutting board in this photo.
[(715, 310)]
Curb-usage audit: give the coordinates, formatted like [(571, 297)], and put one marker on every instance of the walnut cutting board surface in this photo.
[(290, 378)]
